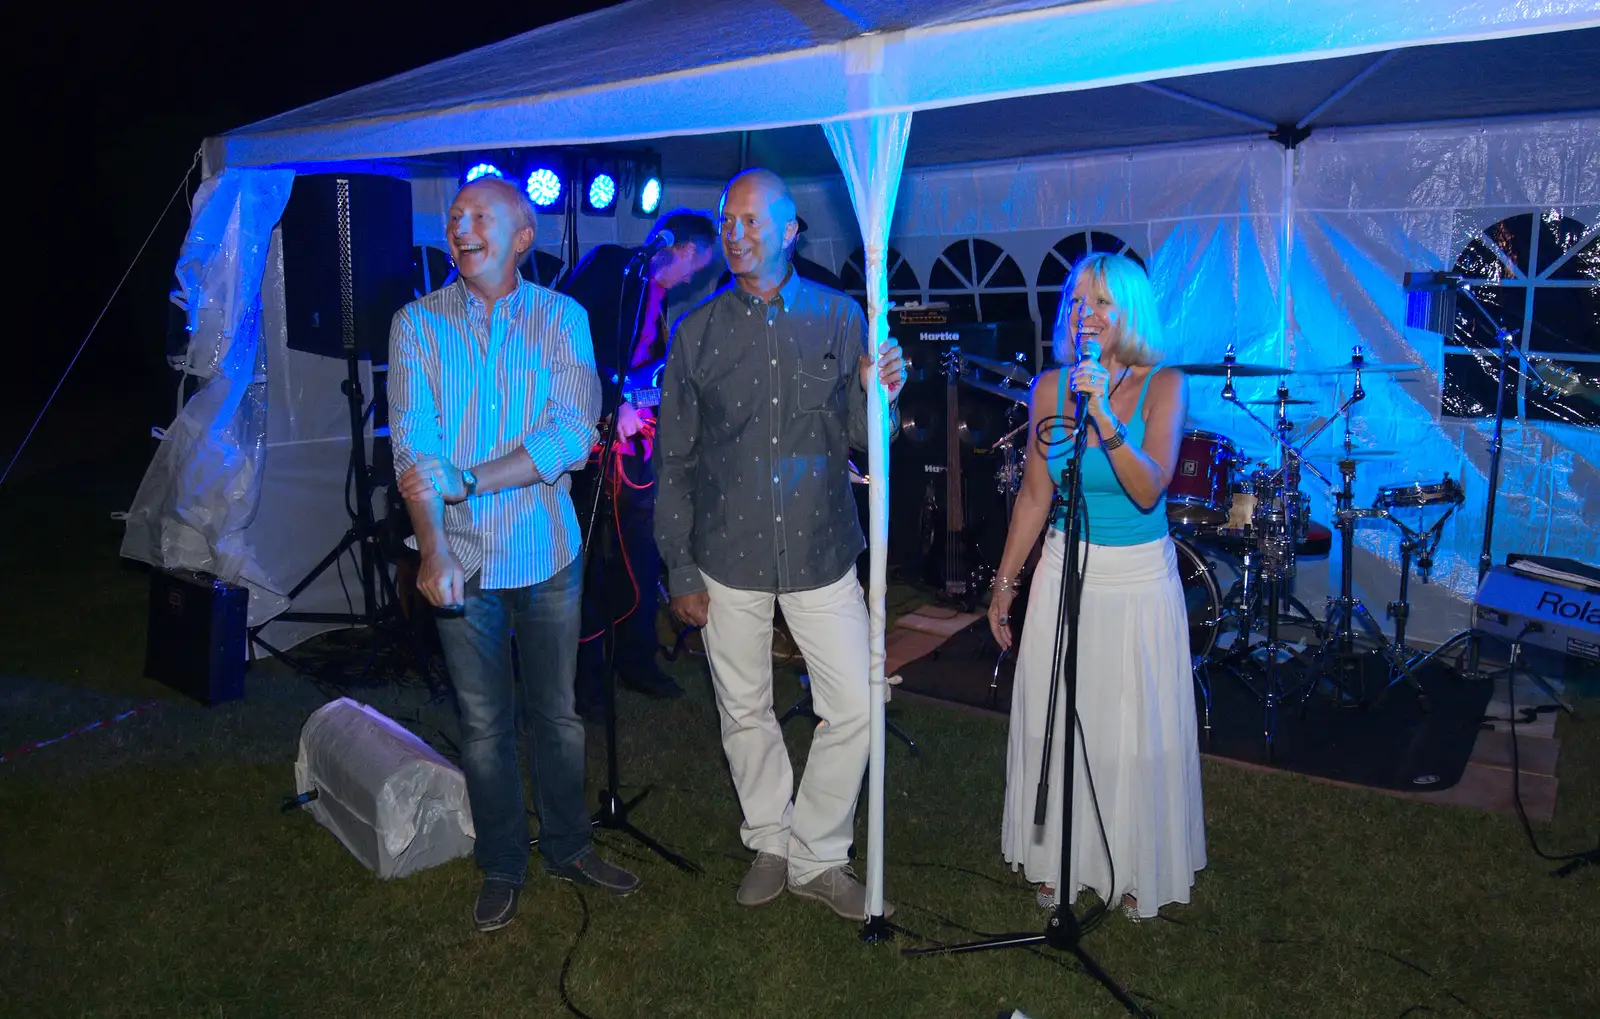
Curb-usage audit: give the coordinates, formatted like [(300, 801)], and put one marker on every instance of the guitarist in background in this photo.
[(621, 288)]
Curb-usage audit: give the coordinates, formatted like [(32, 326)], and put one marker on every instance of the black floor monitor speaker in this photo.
[(346, 229), (195, 642)]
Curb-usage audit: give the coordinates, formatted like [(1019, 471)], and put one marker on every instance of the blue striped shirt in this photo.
[(472, 386)]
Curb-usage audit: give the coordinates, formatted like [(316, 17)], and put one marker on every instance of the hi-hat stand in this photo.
[(1064, 930), (614, 810)]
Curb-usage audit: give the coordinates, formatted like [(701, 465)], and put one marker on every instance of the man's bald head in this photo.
[(515, 198), (758, 227)]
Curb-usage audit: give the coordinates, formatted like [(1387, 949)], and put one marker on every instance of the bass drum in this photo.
[(1201, 596)]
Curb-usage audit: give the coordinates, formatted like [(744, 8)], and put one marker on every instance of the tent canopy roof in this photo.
[(994, 78)]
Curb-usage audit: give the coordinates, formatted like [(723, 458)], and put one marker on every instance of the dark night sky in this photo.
[(119, 97)]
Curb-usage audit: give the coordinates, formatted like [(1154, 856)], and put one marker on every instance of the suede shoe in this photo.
[(839, 889), (497, 905), (587, 868), (766, 880)]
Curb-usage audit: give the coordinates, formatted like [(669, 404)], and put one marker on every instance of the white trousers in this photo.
[(829, 625)]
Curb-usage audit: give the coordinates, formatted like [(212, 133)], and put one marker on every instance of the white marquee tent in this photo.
[(1022, 124)]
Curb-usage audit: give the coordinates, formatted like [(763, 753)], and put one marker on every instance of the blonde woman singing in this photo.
[(1137, 740)]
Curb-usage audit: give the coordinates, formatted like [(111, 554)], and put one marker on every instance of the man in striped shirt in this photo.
[(494, 396)]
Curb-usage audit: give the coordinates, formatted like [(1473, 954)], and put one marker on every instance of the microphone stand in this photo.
[(613, 812), (1064, 930)]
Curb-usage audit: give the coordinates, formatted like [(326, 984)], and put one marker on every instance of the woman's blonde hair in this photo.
[(1133, 313)]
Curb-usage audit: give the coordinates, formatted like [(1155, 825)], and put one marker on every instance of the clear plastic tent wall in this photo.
[(249, 482), (1516, 205), (1356, 210), (202, 489)]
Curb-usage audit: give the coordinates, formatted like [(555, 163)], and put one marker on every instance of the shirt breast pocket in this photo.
[(816, 382)]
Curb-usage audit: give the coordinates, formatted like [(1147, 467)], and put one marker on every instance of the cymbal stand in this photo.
[(1009, 478), (1337, 658)]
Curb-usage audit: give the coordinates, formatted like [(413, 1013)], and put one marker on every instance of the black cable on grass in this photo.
[(566, 964), (1573, 861)]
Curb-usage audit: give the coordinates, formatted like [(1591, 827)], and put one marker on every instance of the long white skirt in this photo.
[(1138, 737)]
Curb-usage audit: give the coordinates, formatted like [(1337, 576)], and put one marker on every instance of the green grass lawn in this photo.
[(173, 886)]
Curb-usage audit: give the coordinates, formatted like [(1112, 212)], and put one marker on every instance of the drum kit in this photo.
[(1225, 505)]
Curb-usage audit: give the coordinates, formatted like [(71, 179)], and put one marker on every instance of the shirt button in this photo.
[(774, 360), (774, 399), (778, 519), (774, 440)]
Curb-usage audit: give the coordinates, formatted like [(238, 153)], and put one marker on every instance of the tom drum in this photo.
[(1202, 486)]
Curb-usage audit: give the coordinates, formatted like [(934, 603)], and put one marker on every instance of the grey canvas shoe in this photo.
[(838, 887), (765, 881)]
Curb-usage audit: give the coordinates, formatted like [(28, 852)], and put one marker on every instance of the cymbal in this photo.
[(1241, 369), (1349, 367), (1014, 372), (1018, 395), (1274, 403)]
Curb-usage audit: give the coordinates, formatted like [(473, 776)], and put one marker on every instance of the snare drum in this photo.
[(1259, 509), (1202, 487), (1418, 494)]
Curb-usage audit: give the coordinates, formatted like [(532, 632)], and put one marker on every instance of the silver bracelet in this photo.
[(1118, 436), (1004, 584)]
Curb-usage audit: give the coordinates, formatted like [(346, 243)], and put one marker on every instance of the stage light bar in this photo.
[(544, 187), (483, 170)]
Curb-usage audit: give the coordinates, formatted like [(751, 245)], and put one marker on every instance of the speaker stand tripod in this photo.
[(365, 540)]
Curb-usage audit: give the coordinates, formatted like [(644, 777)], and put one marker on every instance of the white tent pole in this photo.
[(871, 151), (1285, 305)]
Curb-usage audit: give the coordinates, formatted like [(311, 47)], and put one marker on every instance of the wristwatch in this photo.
[(470, 480)]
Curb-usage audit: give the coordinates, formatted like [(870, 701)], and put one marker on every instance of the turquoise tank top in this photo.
[(1113, 518)]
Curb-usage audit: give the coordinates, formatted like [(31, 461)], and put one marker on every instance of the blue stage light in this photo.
[(650, 196), (602, 191), (544, 187), (484, 170)]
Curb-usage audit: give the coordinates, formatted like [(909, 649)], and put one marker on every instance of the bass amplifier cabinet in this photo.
[(921, 452), (195, 642), (1557, 601)]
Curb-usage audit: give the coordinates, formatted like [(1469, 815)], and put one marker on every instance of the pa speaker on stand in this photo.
[(348, 266)]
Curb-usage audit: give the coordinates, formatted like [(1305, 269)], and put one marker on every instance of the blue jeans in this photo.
[(477, 651)]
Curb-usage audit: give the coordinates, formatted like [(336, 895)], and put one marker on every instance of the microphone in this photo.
[(663, 238), (1088, 350)]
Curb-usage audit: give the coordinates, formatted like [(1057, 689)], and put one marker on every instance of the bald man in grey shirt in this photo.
[(763, 397)]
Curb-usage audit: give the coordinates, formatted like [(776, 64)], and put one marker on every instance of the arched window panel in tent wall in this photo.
[(1057, 266), (904, 287), (1538, 276), (980, 281)]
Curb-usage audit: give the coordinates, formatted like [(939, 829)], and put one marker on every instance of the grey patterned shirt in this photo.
[(761, 404)]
